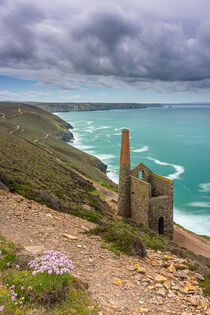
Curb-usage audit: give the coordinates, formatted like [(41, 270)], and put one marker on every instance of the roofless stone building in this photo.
[(144, 196)]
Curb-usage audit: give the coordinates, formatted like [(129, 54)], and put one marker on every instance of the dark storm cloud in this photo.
[(144, 44), (17, 40)]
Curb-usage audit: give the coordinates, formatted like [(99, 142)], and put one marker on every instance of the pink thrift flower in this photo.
[(29, 288), (1, 308)]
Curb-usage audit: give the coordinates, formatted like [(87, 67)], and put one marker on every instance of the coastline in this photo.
[(36, 150), (76, 142), (84, 133), (185, 238), (79, 107)]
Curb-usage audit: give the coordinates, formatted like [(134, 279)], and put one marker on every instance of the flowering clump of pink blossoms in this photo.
[(51, 261), (14, 296)]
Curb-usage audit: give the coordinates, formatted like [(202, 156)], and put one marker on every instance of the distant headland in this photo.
[(77, 107)]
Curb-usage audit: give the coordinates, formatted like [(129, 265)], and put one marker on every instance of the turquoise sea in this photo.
[(173, 141)]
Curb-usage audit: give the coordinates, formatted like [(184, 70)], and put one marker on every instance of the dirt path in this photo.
[(15, 129), (40, 138), (191, 242), (20, 111), (116, 283), (110, 196)]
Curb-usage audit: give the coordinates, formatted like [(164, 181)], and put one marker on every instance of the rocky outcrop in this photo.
[(65, 136), (69, 126), (102, 167)]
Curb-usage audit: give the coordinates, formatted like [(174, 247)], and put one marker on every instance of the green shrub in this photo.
[(121, 240), (7, 255), (205, 285), (43, 288)]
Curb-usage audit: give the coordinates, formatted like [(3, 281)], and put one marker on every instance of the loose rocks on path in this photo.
[(159, 284)]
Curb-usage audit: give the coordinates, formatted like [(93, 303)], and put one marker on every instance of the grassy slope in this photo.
[(44, 171)]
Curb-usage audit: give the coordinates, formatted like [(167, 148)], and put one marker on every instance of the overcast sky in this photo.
[(108, 51)]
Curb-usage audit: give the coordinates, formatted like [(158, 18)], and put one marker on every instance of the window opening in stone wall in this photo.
[(161, 226), (140, 175)]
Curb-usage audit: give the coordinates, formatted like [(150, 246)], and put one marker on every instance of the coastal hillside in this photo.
[(36, 163), (77, 107)]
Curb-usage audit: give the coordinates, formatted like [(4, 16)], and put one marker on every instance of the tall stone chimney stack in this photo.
[(124, 177)]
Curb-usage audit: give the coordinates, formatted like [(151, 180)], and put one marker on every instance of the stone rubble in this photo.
[(159, 284)]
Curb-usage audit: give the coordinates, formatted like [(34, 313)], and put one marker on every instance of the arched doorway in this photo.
[(161, 225)]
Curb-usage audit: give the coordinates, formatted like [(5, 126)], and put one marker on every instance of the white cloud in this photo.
[(73, 97), (21, 96)]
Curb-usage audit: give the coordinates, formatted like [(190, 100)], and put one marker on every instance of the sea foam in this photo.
[(103, 157), (196, 223), (91, 128), (143, 149), (199, 204), (204, 187), (179, 169), (112, 174)]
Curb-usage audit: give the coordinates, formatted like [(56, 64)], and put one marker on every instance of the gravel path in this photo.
[(157, 284)]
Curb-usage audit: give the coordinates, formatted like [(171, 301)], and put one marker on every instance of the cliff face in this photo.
[(68, 136), (65, 136), (101, 166), (69, 126), (70, 107)]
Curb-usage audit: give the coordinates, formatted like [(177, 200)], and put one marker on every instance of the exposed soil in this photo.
[(118, 284), (191, 242)]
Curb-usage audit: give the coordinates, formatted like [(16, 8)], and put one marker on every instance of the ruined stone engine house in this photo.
[(144, 196)]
